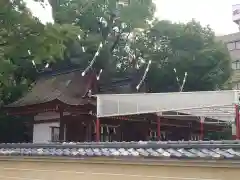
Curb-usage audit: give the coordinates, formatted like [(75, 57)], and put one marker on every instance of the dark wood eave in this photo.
[(50, 106), (67, 88)]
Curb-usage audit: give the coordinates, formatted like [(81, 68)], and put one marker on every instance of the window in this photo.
[(55, 134), (236, 86), (237, 44), (236, 65), (231, 46)]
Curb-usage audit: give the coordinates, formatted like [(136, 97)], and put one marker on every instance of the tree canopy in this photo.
[(133, 37), (117, 36), (125, 32), (24, 39), (193, 49)]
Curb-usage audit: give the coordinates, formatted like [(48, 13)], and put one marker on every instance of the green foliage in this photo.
[(24, 38), (225, 135), (131, 41), (189, 48), (15, 129), (131, 36), (102, 20)]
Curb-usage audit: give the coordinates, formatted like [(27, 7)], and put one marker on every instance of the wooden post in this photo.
[(237, 121), (90, 132), (234, 130), (159, 128), (149, 131), (61, 126), (159, 114), (202, 119), (97, 130), (238, 124)]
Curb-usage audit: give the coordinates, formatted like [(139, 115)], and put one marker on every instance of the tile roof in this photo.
[(170, 150), (68, 88)]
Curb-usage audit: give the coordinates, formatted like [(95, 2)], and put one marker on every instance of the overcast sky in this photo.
[(216, 13)]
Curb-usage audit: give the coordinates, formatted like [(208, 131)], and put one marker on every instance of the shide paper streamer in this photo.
[(144, 75), (94, 59)]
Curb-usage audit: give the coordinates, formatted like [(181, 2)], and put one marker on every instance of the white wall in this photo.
[(42, 132)]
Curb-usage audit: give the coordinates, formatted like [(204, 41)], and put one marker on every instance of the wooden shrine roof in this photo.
[(69, 88)]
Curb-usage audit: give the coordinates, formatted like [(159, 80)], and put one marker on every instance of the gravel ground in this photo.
[(23, 170)]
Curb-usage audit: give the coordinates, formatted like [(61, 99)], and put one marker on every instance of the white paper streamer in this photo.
[(144, 76), (98, 76), (181, 86), (34, 65), (47, 65), (184, 81), (33, 62), (83, 49)]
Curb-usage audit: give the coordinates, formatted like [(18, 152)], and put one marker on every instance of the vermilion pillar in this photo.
[(237, 121), (238, 125), (159, 127), (97, 130)]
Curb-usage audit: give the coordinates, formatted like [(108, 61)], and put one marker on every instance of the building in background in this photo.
[(232, 42), (236, 14)]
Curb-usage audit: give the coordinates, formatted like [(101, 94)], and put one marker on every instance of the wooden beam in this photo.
[(46, 121)]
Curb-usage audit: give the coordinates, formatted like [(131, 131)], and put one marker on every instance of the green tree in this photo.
[(109, 22), (130, 38), (24, 39), (188, 48), (133, 37)]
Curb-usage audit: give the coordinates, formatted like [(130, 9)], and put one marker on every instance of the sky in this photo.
[(216, 13)]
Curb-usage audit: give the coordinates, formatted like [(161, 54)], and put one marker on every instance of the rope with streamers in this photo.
[(94, 59), (113, 17), (144, 75), (181, 86)]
